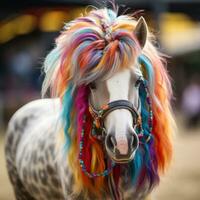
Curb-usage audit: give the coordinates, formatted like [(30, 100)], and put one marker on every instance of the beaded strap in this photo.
[(150, 120), (150, 107), (82, 164)]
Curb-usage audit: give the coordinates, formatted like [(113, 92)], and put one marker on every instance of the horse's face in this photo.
[(121, 140)]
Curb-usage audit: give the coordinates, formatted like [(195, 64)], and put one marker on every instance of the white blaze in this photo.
[(119, 120)]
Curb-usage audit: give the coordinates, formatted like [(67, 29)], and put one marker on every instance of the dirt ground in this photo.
[(181, 183)]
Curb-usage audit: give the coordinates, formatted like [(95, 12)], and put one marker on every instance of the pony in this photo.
[(106, 131)]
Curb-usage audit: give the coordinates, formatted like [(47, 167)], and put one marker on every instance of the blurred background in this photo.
[(27, 33)]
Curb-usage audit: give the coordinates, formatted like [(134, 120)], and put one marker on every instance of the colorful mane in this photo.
[(82, 55)]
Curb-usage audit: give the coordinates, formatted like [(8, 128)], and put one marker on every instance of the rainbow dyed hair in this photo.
[(82, 55)]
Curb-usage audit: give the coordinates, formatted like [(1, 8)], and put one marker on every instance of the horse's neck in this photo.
[(129, 190)]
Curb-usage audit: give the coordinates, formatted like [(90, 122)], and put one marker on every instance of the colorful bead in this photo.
[(83, 167), (150, 118)]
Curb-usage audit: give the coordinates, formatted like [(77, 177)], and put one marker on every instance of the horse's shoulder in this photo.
[(39, 106)]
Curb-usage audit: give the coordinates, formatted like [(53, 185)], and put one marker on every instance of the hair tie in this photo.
[(107, 31)]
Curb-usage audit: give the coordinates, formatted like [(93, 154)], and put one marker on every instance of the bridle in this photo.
[(99, 115), (99, 131)]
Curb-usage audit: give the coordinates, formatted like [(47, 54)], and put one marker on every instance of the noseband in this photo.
[(100, 115)]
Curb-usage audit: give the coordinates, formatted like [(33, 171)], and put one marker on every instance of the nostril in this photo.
[(110, 142), (134, 141)]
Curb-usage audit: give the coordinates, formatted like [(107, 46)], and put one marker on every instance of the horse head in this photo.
[(115, 105)]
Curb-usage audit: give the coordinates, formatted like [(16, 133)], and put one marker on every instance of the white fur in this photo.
[(120, 121)]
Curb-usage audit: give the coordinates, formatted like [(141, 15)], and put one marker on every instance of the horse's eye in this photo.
[(93, 86), (138, 82)]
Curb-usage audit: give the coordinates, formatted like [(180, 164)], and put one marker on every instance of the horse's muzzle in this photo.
[(123, 150)]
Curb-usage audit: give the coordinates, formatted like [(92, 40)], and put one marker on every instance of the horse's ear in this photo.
[(140, 31)]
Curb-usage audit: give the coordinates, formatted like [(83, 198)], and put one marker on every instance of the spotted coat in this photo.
[(34, 164)]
